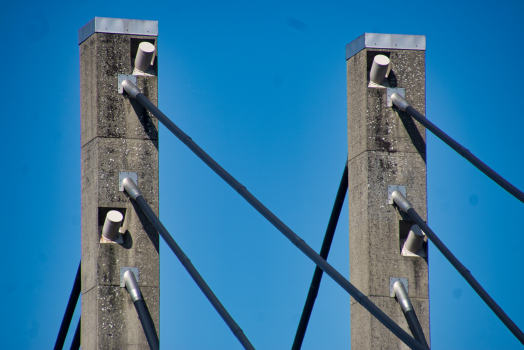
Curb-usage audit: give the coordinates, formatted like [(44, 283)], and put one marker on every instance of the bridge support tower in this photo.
[(385, 147), (117, 135)]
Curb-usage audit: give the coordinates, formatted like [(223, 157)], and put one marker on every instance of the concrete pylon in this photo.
[(385, 147), (117, 135)]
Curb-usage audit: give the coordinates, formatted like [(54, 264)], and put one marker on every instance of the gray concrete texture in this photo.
[(118, 325), (385, 147), (117, 134), (104, 56)]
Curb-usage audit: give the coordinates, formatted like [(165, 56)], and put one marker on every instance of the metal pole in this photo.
[(135, 193), (70, 310), (324, 251), (409, 313), (143, 314), (75, 344), (404, 204), (404, 105), (134, 92)]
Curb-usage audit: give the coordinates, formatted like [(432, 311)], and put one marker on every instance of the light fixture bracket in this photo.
[(121, 78), (392, 188), (123, 270), (122, 175), (391, 91), (392, 281)]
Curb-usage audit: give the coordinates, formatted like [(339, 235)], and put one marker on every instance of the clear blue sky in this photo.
[(262, 87)]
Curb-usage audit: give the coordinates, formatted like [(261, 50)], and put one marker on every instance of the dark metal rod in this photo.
[(409, 313), (150, 333), (415, 327), (404, 204), (324, 251), (133, 91), (75, 344), (135, 193), (145, 319), (401, 103), (70, 310)]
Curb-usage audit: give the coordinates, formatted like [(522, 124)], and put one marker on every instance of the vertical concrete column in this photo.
[(385, 147), (117, 135)]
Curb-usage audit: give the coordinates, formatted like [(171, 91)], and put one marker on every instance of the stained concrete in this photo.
[(382, 338), (385, 147), (104, 56), (117, 134), (113, 318)]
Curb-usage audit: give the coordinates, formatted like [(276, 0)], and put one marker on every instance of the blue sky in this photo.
[(261, 86)]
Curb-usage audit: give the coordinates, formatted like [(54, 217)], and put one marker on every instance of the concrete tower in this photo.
[(117, 135), (385, 148)]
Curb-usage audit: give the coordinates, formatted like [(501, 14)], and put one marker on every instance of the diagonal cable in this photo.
[(75, 344), (134, 192), (70, 310), (405, 206), (324, 251), (403, 105), (135, 92)]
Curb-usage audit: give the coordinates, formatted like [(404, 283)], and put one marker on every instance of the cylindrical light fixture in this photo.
[(379, 69), (112, 225), (415, 239), (144, 56)]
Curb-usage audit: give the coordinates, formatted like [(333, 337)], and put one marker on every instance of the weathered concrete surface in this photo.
[(385, 147), (382, 338), (116, 135), (102, 57), (116, 324)]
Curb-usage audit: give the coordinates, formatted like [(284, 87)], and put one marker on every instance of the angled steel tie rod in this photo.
[(134, 92), (75, 344), (133, 191), (409, 313), (70, 310), (145, 319), (404, 105), (405, 206), (324, 251)]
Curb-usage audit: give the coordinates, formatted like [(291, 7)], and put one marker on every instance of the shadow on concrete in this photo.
[(128, 240), (152, 233), (413, 133), (146, 121)]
